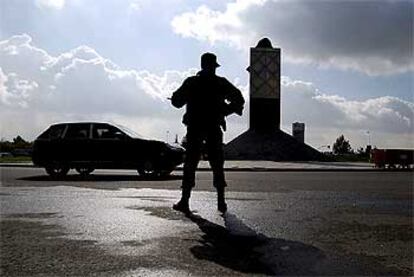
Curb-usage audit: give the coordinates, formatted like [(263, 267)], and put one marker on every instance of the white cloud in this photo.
[(137, 5), (18, 90), (215, 26), (54, 4), (37, 89), (374, 37), (303, 102)]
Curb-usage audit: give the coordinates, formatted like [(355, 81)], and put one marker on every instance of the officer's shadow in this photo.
[(240, 248)]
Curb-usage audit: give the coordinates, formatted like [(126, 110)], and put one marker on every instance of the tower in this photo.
[(298, 131), (265, 140), (264, 72)]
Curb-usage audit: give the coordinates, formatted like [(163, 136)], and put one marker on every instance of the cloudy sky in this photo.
[(347, 66)]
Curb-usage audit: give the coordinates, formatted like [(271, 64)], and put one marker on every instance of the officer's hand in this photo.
[(239, 111)]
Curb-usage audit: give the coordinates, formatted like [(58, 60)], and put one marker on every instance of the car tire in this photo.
[(57, 171), (84, 171)]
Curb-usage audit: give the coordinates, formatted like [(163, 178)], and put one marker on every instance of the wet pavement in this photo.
[(115, 223)]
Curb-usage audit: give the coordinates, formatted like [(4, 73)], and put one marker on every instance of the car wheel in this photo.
[(147, 169), (57, 171), (84, 170)]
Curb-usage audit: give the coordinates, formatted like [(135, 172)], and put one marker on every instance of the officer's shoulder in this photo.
[(222, 80), (194, 77), (191, 79)]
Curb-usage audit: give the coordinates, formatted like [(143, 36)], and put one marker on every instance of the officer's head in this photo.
[(209, 62)]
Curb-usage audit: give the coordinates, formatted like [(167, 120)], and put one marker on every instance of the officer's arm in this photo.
[(180, 96), (235, 99)]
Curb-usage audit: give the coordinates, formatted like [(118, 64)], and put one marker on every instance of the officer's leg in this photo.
[(216, 159), (192, 157), (193, 152)]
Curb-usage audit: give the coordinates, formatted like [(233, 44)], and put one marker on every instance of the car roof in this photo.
[(73, 123), (124, 129)]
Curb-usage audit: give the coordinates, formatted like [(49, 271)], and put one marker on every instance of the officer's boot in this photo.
[(221, 202), (183, 205)]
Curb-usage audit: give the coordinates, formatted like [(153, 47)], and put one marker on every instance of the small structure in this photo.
[(264, 140), (298, 131)]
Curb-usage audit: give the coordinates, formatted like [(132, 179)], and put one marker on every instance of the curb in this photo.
[(17, 165), (280, 169), (261, 169)]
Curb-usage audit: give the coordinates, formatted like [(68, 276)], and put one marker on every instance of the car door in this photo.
[(109, 146), (76, 143), (48, 146)]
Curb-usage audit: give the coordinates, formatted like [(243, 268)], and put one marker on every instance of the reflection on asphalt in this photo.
[(240, 248), (99, 178), (65, 230)]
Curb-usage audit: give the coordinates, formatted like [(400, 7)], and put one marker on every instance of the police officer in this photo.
[(208, 99)]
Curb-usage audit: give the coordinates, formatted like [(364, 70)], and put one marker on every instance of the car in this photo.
[(22, 152), (86, 146), (5, 155)]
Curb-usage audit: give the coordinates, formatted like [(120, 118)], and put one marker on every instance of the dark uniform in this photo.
[(208, 99)]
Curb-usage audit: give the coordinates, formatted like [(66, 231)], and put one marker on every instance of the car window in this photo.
[(78, 131), (129, 132), (53, 132), (106, 132)]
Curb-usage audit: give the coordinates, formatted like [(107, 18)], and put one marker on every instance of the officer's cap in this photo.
[(209, 59)]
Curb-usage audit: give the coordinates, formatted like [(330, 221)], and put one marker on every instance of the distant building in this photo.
[(264, 140), (298, 131)]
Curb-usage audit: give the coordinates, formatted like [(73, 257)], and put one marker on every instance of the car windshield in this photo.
[(128, 131)]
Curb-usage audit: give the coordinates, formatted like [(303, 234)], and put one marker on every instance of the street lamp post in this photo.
[(369, 137)]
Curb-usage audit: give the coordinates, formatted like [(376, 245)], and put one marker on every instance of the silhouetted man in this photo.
[(208, 99)]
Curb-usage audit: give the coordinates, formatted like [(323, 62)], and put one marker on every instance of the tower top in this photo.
[(264, 43), (264, 87)]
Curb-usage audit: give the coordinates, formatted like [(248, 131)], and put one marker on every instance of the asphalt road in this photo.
[(115, 223)]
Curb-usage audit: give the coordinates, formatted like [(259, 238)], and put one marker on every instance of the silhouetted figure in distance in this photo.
[(209, 99)]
